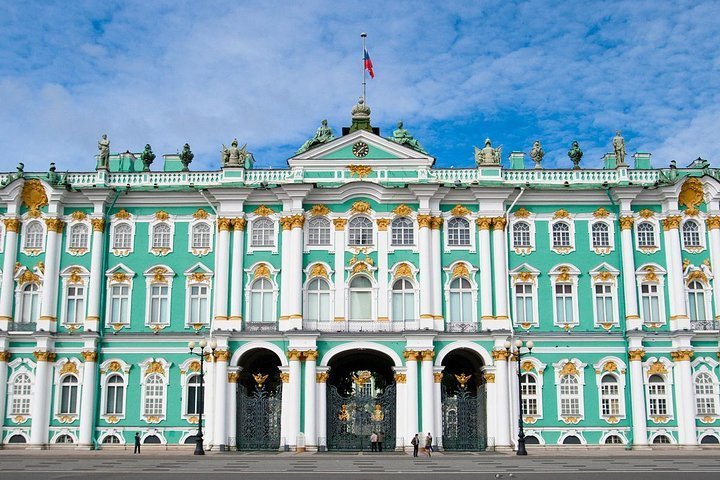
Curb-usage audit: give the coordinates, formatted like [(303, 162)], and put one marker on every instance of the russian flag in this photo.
[(368, 63)]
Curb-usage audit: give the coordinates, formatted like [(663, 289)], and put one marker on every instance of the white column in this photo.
[(491, 407), (500, 269), (87, 399), (4, 359), (633, 321), (437, 405), (221, 383), (311, 435), (411, 395), (685, 397), (426, 294), (8, 281), (48, 303), (502, 395), (713, 226), (428, 393), (513, 388), (676, 282), (321, 391), (296, 260), (285, 405), (209, 416), (437, 276), (285, 273), (401, 439), (233, 377), (92, 321), (236, 273), (40, 405), (486, 288), (293, 426), (637, 397), (339, 269), (222, 262), (382, 270)]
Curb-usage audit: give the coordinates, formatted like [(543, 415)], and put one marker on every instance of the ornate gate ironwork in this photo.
[(464, 419), (352, 419), (258, 418)]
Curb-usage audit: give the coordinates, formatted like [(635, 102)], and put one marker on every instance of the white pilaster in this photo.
[(491, 397), (426, 294), (676, 283), (685, 397), (233, 377), (486, 289), (221, 384), (500, 270), (436, 272), (236, 273), (285, 274), (637, 397), (502, 402), (285, 412), (340, 269), (92, 320), (40, 405), (222, 262), (48, 302), (428, 393), (4, 358), (437, 405), (293, 426), (382, 269), (209, 404), (633, 321), (713, 226), (7, 287), (296, 270), (311, 435), (89, 394), (321, 392), (400, 408), (411, 395)]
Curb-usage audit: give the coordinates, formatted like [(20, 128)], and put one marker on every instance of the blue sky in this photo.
[(268, 72)]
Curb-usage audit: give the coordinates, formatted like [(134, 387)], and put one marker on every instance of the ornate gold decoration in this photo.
[(650, 275), (601, 213), (155, 367), (194, 366), (318, 270), (339, 223), (571, 420), (712, 222), (527, 366), (646, 213), (382, 224), (233, 377), (112, 419), (377, 414), (484, 223), (659, 419), (262, 270), (564, 275), (489, 377), (437, 377), (310, 355), (162, 215), (424, 221), (403, 270), (411, 355), (12, 224), (286, 223), (344, 415), (89, 355), (297, 221), (360, 207), (75, 276), (359, 267), (361, 171), (697, 275), (362, 377), (33, 195), (526, 325), (259, 378), (436, 223), (462, 379), (114, 366), (460, 270), (159, 275), (223, 224), (498, 223), (54, 225), (4, 356), (238, 224), (98, 224), (530, 420), (319, 210), (691, 193), (66, 418), (198, 277), (41, 267), (671, 222), (626, 222), (28, 277), (285, 377), (427, 355), (200, 214), (321, 377), (610, 366), (193, 420), (263, 211), (707, 419), (525, 276), (568, 369), (122, 214), (119, 277), (692, 212), (459, 211), (34, 214), (682, 355), (152, 419), (400, 378), (562, 213), (500, 355), (402, 210), (657, 368), (68, 367), (221, 355), (521, 213), (78, 216), (19, 418), (42, 356), (294, 355)]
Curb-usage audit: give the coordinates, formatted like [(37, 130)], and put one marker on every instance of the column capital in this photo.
[(684, 355), (424, 220), (339, 223), (294, 355), (500, 355), (98, 224), (311, 355), (44, 356), (484, 223), (438, 376), (286, 223), (233, 377), (713, 222), (5, 356), (436, 223), (489, 377), (626, 222), (636, 354), (321, 377), (285, 377), (411, 355), (400, 378), (54, 225), (12, 224), (427, 355), (671, 222), (382, 224), (89, 355), (498, 223), (221, 355), (238, 224), (223, 224)]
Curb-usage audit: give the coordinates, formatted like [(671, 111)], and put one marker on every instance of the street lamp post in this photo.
[(199, 450), (518, 345)]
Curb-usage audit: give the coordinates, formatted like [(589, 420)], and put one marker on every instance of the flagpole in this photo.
[(363, 36)]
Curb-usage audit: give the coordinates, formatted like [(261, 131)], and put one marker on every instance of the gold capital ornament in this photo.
[(340, 223), (12, 224), (89, 355), (484, 223), (498, 223), (626, 222), (223, 224), (424, 220), (500, 355), (671, 222), (238, 224), (382, 224)]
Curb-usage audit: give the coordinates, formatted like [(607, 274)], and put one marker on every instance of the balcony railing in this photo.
[(261, 327), (704, 325), (471, 327), (355, 326), (22, 327)]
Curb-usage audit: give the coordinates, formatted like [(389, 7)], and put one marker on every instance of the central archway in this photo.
[(361, 399)]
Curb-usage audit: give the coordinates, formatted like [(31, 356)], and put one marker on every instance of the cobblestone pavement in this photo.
[(175, 465)]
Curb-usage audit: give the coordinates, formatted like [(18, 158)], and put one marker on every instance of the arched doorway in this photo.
[(360, 400), (259, 401), (463, 402)]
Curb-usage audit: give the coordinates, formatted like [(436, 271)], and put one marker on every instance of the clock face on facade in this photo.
[(360, 149)]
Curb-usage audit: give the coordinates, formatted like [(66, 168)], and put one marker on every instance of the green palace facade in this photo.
[(360, 290)]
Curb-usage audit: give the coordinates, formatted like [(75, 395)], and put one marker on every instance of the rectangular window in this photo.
[(159, 300), (524, 303), (650, 302), (604, 312), (75, 308), (198, 304), (114, 400), (119, 304), (564, 303)]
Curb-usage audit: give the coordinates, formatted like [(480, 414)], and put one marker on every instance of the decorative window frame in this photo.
[(373, 225), (611, 235), (322, 270), (147, 367), (123, 216), (24, 276), (536, 368), (18, 367), (562, 216), (78, 218), (119, 274), (572, 433), (27, 220), (459, 211), (611, 366), (463, 269), (198, 274), (651, 273), (707, 432), (110, 367), (664, 432), (153, 432), (258, 270), (263, 212), (111, 432), (574, 367), (614, 432), (701, 232), (63, 368), (703, 275), (643, 217), (606, 274), (201, 219), (188, 369), (306, 232), (158, 275), (56, 433), (522, 216), (161, 218), (73, 275), (406, 271), (565, 274), (409, 215), (707, 365), (664, 367), (373, 293), (525, 275)]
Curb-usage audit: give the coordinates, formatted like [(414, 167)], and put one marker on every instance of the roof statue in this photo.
[(322, 135), (237, 157), (575, 154), (361, 110), (618, 143), (537, 154), (488, 156), (360, 117), (403, 137), (186, 157), (104, 156), (147, 157)]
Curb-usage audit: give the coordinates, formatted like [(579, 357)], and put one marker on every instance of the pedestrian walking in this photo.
[(428, 444), (380, 439), (137, 443), (415, 442), (373, 442)]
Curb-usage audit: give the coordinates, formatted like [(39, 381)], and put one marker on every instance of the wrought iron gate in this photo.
[(258, 418), (464, 419), (352, 419)]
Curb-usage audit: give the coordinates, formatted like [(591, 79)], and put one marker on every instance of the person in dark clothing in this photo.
[(381, 439), (428, 444), (415, 442), (137, 443)]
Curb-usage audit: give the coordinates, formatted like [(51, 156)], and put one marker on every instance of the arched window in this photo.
[(691, 234), (110, 439), (613, 440), (569, 395), (115, 395), (152, 440), (119, 304), (21, 395), (657, 395), (609, 395), (159, 304), (709, 439), (661, 439), (361, 299), (561, 235), (532, 440), (318, 296), (403, 301), (705, 394), (461, 301), (34, 235), (122, 236), (646, 234), (154, 395), (261, 301), (696, 301), (79, 236), (360, 231), (319, 231), (30, 303), (195, 396), (161, 236), (198, 304), (528, 384), (75, 304), (68, 395), (263, 232), (521, 234), (402, 232), (201, 236), (458, 231), (600, 235), (64, 439), (572, 440)]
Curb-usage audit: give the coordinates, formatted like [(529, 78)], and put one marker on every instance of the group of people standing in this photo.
[(415, 442), (376, 441)]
